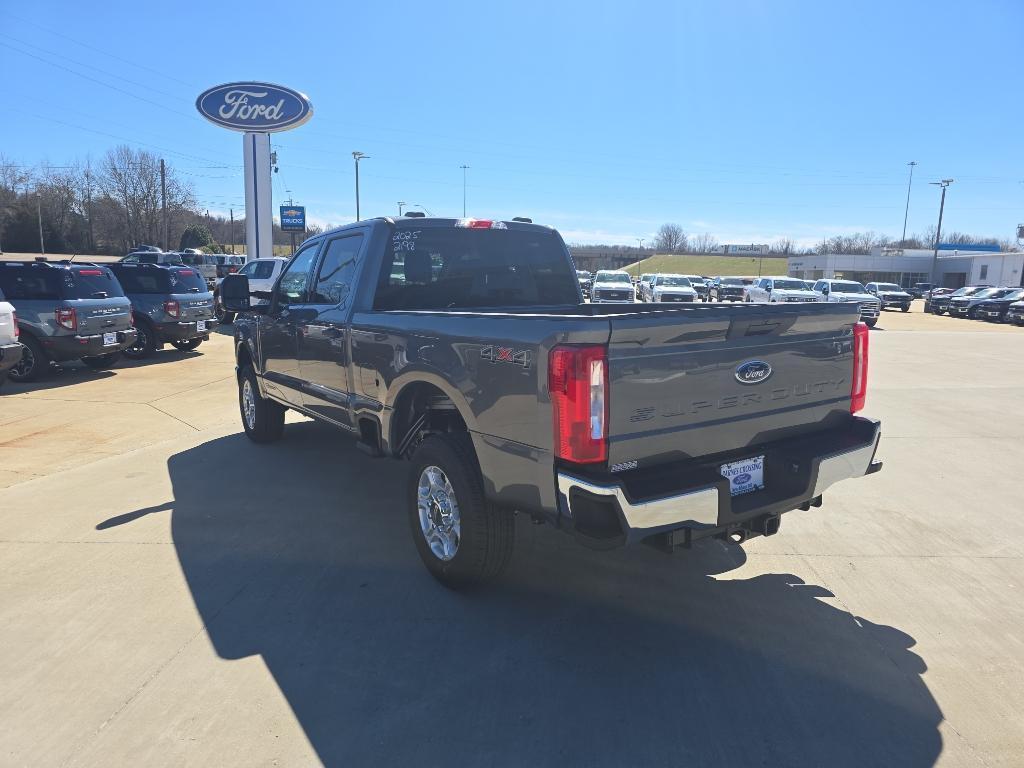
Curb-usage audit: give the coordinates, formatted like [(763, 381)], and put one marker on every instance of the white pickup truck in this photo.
[(262, 274), (773, 290), (848, 291), (10, 349)]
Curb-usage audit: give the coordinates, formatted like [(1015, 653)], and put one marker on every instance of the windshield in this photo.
[(733, 281), (987, 293), (612, 277), (889, 287), (695, 279), (90, 283), (673, 280), (847, 288), (789, 285), (449, 267)]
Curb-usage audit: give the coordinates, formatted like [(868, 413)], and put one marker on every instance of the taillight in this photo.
[(578, 385), (859, 389), (172, 308), (67, 319), (14, 319), (480, 224)]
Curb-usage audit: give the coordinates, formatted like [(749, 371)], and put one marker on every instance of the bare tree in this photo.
[(670, 239), (783, 245), (705, 243)]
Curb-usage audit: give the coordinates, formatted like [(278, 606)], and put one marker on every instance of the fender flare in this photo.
[(413, 377)]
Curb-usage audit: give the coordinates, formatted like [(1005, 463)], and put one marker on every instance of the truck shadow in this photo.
[(304, 557)]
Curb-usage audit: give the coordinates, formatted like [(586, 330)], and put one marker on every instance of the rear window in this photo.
[(677, 281), (29, 283), (186, 281), (789, 285), (90, 283), (450, 268), (734, 281)]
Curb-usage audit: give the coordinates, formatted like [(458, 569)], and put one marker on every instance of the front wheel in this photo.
[(462, 539), (262, 419), (102, 362), (905, 308), (871, 322), (186, 345)]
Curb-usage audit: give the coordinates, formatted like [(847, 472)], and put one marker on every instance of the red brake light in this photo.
[(186, 272), (91, 272), (17, 330), (480, 224), (578, 386), (859, 389), (67, 319), (172, 308)]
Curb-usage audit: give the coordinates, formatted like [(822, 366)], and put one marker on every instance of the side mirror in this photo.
[(234, 293)]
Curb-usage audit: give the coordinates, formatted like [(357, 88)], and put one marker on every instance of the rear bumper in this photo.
[(683, 502), (184, 331), (10, 354), (76, 347)]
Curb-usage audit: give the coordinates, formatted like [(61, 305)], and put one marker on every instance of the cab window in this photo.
[(336, 270), (292, 287)]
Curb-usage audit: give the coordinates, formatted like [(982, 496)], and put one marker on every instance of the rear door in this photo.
[(676, 389), (279, 328), (98, 299), (324, 341)]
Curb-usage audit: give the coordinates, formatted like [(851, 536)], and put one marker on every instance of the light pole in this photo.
[(903, 240), (641, 241), (357, 156), (938, 230), (400, 204), (39, 215), (464, 169)]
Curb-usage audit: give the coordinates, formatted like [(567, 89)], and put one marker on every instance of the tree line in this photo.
[(109, 207)]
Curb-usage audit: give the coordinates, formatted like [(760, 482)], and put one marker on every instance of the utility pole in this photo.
[(231, 212), (910, 181), (357, 156), (39, 214), (464, 169), (400, 204), (640, 257), (88, 208), (163, 200), (938, 231), (291, 234)]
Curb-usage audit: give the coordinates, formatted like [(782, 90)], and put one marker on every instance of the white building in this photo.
[(955, 266)]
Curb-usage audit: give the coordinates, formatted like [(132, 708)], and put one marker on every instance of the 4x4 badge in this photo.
[(506, 355)]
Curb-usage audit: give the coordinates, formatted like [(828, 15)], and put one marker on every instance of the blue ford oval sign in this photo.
[(753, 372), (258, 107)]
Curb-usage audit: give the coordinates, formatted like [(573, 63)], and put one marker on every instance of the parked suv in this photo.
[(66, 311), (170, 305), (850, 291), (151, 257), (939, 304), (918, 290), (996, 310), (967, 306), (10, 349), (891, 295), (262, 274)]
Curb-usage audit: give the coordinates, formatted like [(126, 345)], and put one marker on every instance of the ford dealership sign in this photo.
[(254, 107)]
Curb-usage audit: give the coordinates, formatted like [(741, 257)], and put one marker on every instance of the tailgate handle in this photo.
[(759, 327)]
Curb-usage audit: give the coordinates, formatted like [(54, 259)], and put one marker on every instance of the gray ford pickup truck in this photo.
[(464, 346)]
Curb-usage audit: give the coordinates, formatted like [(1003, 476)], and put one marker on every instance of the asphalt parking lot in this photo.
[(173, 594)]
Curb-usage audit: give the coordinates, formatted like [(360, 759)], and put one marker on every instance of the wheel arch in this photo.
[(423, 394)]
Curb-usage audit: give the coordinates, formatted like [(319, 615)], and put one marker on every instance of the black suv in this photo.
[(996, 309), (940, 304)]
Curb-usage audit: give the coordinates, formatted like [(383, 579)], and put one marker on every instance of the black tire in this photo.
[(102, 362), (34, 361), (145, 341), (222, 315), (905, 308), (486, 533), (265, 423), (186, 345), (872, 322)]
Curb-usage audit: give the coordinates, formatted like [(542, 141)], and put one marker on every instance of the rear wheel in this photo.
[(463, 539), (186, 345), (262, 419), (33, 363), (145, 341), (102, 362), (222, 315)]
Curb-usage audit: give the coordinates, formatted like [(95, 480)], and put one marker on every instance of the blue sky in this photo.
[(749, 120)]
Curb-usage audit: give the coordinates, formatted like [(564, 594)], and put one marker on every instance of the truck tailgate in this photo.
[(675, 386)]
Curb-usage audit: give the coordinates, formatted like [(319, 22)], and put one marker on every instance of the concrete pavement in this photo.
[(184, 597)]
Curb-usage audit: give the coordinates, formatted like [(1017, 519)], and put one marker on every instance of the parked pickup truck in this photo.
[(464, 347)]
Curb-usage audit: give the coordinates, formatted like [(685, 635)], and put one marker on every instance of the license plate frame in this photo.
[(109, 339), (200, 326), (749, 472)]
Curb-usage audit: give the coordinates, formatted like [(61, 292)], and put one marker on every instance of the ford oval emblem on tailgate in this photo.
[(753, 372)]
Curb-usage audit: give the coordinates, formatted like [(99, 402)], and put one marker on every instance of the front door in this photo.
[(324, 339), (279, 328)]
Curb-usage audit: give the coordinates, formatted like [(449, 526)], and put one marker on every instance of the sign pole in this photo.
[(259, 240)]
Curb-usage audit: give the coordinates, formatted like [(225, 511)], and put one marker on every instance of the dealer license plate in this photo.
[(200, 325), (109, 339), (744, 476)]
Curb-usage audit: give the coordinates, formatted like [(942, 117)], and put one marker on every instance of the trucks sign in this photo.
[(293, 218), (254, 107)]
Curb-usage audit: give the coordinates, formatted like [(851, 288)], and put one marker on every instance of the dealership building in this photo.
[(956, 266)]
